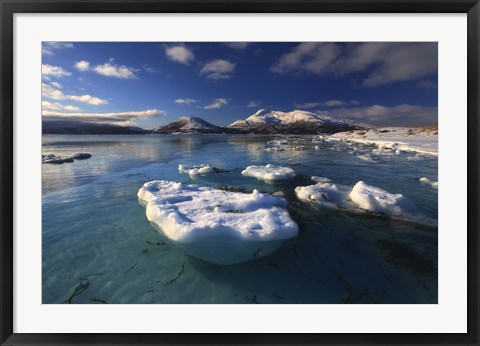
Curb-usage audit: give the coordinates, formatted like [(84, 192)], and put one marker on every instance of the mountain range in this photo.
[(74, 127), (262, 122), (265, 122)]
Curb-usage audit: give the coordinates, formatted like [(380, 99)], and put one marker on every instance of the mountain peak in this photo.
[(189, 118), (188, 124)]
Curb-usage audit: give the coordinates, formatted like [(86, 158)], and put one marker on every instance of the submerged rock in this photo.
[(218, 226), (81, 156)]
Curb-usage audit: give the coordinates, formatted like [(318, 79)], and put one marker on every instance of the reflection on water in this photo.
[(99, 248)]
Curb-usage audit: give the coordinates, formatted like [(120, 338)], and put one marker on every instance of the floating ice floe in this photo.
[(323, 193), (321, 179), (360, 197), (425, 180), (269, 172), (218, 226), (52, 158), (367, 158), (300, 148), (274, 149), (374, 199), (278, 142), (196, 170)]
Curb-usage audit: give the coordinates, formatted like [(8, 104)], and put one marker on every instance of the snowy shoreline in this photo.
[(420, 140)]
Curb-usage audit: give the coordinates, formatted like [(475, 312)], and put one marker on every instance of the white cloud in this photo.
[(218, 103), (150, 69), (237, 45), (49, 106), (308, 57), (180, 53), (253, 104), (82, 65), (121, 118), (109, 69), (54, 71), (385, 62), (88, 99), (377, 115), (335, 103), (328, 103), (186, 101), (308, 105), (49, 47), (50, 92), (218, 69), (56, 85)]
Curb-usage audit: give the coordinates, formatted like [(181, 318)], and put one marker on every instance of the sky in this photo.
[(149, 84)]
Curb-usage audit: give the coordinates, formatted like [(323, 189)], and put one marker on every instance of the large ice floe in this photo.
[(217, 226), (196, 170), (269, 172), (361, 197)]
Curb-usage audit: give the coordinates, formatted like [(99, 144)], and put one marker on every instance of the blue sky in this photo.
[(150, 84)]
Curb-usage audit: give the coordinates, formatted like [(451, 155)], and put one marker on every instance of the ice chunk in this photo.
[(196, 170), (380, 201), (218, 226), (51, 158), (425, 180), (269, 172), (274, 149), (278, 142), (367, 158), (360, 198), (321, 179), (323, 193)]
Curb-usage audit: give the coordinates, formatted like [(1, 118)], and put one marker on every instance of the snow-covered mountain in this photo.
[(189, 125), (296, 121)]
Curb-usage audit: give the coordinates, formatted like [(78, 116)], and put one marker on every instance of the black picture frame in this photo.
[(9, 7)]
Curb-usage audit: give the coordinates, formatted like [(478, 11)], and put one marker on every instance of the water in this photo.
[(98, 247)]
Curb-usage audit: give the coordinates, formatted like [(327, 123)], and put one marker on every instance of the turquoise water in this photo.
[(98, 247)]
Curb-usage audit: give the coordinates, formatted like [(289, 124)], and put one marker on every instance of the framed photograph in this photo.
[(239, 173)]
